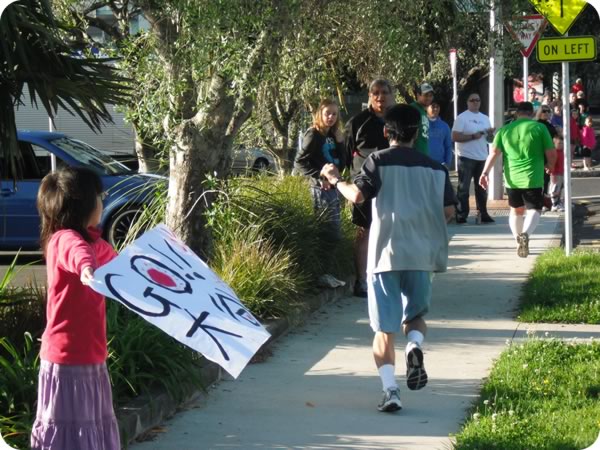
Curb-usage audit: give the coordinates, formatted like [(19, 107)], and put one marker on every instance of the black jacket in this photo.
[(311, 158), (364, 135)]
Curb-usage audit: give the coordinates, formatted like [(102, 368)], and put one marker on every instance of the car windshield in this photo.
[(89, 156)]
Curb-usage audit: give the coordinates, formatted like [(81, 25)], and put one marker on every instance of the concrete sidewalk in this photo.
[(320, 388)]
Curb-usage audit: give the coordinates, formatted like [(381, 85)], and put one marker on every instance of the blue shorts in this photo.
[(397, 297)]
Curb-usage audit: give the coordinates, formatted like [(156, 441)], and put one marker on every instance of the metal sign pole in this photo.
[(525, 79), (566, 114), (52, 155), (454, 97)]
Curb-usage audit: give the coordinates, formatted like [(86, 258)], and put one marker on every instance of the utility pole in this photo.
[(496, 90)]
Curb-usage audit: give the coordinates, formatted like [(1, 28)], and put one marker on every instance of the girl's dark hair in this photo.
[(67, 199), (402, 123)]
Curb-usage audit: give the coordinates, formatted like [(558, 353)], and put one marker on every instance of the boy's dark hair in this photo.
[(402, 123), (66, 200), (525, 107)]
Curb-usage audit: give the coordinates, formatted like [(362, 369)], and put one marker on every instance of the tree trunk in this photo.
[(146, 155), (199, 151)]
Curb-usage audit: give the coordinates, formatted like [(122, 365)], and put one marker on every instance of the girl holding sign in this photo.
[(74, 409)]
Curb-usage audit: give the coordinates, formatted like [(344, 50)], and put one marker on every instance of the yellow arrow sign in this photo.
[(579, 48), (560, 13)]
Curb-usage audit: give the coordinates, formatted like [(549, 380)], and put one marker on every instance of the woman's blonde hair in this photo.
[(318, 116)]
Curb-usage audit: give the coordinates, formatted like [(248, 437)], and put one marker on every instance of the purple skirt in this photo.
[(74, 409)]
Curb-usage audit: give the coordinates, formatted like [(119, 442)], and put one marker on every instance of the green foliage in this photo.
[(563, 289), (281, 214), (542, 395), (38, 51), (265, 277), (21, 308), (18, 389)]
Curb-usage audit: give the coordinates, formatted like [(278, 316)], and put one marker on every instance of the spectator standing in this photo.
[(323, 143), (470, 131), (424, 99), (526, 148), (407, 243), (543, 116), (440, 142), (580, 100), (573, 100), (588, 142), (364, 135), (556, 119), (575, 133), (583, 114), (533, 98), (578, 86), (74, 408), (557, 175)]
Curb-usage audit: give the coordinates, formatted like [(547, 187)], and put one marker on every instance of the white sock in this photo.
[(415, 336), (388, 378), (532, 218), (515, 223)]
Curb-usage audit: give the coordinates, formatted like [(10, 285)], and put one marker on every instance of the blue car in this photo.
[(127, 190)]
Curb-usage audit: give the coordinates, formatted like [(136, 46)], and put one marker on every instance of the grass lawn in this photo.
[(563, 289), (542, 395)]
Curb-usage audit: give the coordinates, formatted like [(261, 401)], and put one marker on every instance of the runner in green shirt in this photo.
[(526, 147)]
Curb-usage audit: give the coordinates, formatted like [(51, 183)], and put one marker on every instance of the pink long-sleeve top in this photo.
[(76, 315), (588, 137)]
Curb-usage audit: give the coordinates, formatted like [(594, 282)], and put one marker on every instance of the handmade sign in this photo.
[(162, 280)]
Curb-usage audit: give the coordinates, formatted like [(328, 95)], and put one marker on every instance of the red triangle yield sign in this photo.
[(527, 30)]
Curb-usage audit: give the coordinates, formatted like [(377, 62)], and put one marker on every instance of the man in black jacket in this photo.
[(364, 135)]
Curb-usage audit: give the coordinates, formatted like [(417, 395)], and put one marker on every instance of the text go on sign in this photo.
[(562, 49)]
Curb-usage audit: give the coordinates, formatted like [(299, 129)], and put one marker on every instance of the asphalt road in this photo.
[(35, 271)]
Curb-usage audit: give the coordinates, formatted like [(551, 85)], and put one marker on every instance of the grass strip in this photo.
[(543, 395), (563, 289)]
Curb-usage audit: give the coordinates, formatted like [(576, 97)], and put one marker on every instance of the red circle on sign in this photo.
[(161, 278)]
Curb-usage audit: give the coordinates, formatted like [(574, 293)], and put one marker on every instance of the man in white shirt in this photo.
[(470, 131)]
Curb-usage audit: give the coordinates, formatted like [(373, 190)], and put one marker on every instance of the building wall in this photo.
[(115, 139)]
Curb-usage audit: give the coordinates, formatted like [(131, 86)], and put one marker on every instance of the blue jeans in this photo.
[(470, 169), (327, 204)]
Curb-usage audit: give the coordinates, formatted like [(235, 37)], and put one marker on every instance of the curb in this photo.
[(137, 418)]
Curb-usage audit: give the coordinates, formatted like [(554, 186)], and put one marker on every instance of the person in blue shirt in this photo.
[(440, 142)]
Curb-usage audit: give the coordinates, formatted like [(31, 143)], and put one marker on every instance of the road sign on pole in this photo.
[(560, 13), (561, 49), (527, 30)]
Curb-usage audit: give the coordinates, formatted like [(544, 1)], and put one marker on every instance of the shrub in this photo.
[(18, 389)]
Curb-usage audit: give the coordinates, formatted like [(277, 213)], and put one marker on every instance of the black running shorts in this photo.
[(531, 198)]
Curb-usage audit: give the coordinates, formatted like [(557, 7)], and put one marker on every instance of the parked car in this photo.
[(127, 190), (253, 159)]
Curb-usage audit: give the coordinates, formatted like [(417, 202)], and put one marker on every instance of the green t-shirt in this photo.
[(422, 142), (523, 144)]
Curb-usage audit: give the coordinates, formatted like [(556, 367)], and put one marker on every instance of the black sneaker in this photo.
[(360, 289), (461, 219), (390, 401), (416, 377), (487, 219)]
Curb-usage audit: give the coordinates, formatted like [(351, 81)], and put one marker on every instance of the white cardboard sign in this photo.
[(162, 280)]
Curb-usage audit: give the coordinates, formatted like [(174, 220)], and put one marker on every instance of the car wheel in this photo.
[(120, 224), (261, 165)]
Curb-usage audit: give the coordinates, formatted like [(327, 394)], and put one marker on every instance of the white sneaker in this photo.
[(390, 401), (523, 245)]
